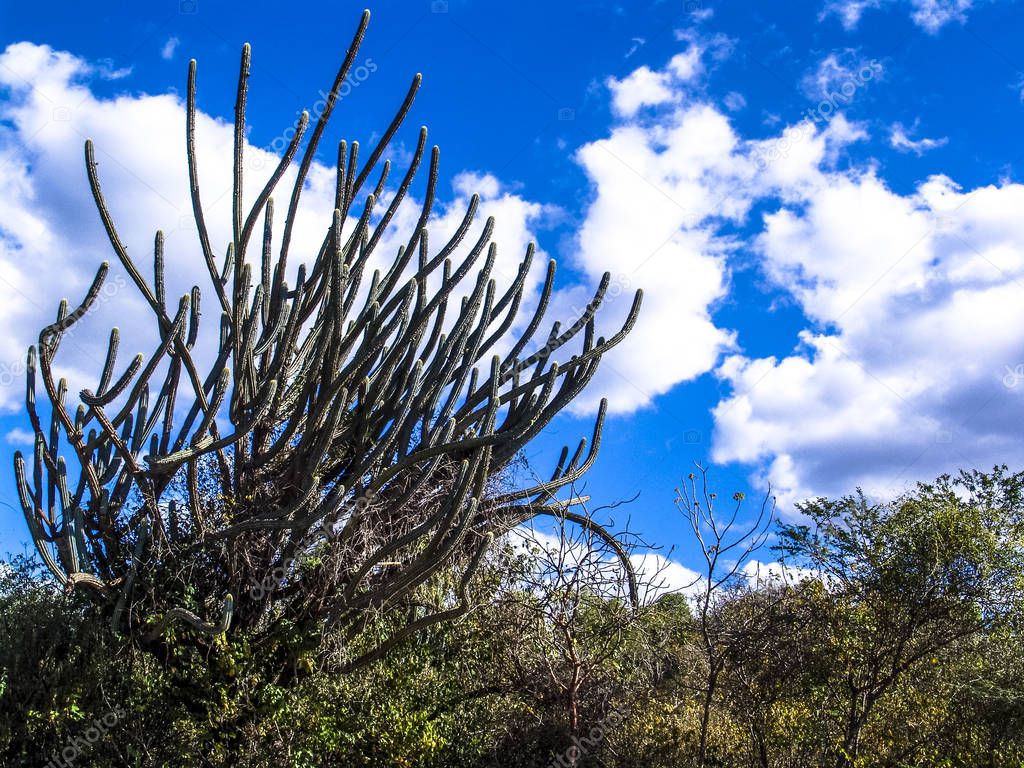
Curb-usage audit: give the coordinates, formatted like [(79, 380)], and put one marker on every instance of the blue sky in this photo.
[(821, 200)]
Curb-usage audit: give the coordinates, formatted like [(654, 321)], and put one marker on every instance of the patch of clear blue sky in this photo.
[(496, 76)]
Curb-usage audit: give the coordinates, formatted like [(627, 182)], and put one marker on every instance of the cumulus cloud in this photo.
[(641, 88), (656, 574), (688, 65), (18, 436), (910, 363), (647, 224), (661, 575), (910, 367), (666, 185), (644, 87), (760, 573)]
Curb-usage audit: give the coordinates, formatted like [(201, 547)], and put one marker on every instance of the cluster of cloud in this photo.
[(930, 15), (914, 303), (911, 361), (908, 365)]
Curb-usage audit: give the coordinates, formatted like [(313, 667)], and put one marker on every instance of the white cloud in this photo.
[(106, 69), (930, 15), (794, 160), (647, 226), (638, 43), (917, 302), (901, 142), (167, 52), (18, 436), (660, 575), (655, 573), (716, 47), (912, 359), (759, 573), (652, 224), (663, 189), (849, 11), (641, 88), (838, 76), (734, 101), (688, 65), (644, 87)]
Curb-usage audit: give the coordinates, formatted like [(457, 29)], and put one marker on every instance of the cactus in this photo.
[(367, 425)]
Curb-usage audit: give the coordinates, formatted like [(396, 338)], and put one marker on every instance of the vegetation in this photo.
[(894, 640)]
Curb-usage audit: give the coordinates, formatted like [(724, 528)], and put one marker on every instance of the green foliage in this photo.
[(901, 644)]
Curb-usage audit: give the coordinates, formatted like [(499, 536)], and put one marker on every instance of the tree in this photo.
[(986, 708), (570, 636), (771, 686), (726, 545), (347, 438), (907, 579)]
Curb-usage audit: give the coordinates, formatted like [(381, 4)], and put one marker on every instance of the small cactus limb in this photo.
[(88, 580), (39, 537), (129, 582), (187, 617)]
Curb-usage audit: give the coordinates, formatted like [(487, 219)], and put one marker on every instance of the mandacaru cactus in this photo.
[(347, 437)]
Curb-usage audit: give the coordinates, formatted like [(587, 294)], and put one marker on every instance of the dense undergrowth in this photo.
[(895, 639)]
